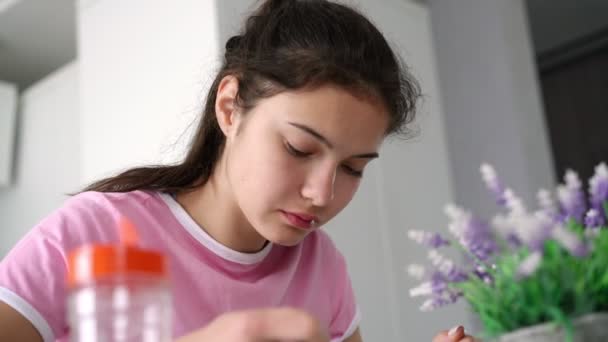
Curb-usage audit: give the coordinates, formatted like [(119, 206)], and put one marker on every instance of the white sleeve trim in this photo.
[(354, 324), (28, 311)]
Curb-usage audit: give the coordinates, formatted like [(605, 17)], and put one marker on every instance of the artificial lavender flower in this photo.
[(598, 191), (547, 204), (482, 273), (438, 291), (472, 234), (447, 268), (493, 183), (514, 204), (436, 302), (533, 229), (570, 241), (593, 219), (434, 287), (502, 225), (521, 227), (530, 264), (428, 239), (437, 288), (571, 198), (433, 304), (416, 271)]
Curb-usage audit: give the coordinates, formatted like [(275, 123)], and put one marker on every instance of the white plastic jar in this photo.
[(118, 294)]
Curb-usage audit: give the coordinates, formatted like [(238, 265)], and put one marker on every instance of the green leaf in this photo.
[(558, 316)]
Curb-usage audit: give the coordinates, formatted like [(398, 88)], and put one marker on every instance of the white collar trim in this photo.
[(206, 240)]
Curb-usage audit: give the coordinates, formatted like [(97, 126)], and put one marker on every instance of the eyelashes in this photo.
[(301, 154), (352, 172), (295, 152)]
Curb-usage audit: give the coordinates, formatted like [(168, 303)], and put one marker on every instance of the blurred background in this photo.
[(90, 87)]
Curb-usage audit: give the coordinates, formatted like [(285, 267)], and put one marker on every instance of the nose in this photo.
[(320, 185)]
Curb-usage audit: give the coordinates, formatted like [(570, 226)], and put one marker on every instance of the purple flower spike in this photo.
[(448, 297), (570, 241), (503, 227), (493, 183), (481, 272), (473, 235), (571, 198), (547, 204), (514, 204), (428, 239), (530, 264), (434, 287), (593, 219), (446, 268), (434, 304), (598, 190), (540, 230), (416, 271)]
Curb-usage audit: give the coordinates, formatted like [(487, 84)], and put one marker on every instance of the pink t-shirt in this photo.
[(207, 278)]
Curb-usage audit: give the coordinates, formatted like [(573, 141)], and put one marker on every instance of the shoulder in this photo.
[(320, 246), (110, 203), (90, 216), (100, 200), (319, 241)]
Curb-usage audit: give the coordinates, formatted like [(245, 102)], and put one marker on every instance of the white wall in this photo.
[(144, 65), (47, 155)]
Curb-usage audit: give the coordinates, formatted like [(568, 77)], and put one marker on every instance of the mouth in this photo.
[(300, 220)]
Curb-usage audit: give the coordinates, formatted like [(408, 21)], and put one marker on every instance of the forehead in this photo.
[(338, 114)]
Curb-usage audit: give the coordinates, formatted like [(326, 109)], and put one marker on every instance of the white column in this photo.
[(491, 98), (46, 161), (8, 127)]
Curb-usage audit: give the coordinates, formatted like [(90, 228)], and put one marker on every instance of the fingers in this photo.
[(282, 324), (261, 325), (441, 337), (455, 334)]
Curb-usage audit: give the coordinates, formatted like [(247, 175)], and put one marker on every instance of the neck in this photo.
[(214, 208)]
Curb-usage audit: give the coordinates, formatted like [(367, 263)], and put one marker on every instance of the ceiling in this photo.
[(36, 37), (554, 23), (39, 36)]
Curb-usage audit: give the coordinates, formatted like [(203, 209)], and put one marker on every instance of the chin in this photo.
[(287, 239)]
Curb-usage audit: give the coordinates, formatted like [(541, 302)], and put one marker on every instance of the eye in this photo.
[(295, 152), (351, 171)]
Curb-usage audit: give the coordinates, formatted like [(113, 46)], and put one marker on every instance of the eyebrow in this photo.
[(326, 142)]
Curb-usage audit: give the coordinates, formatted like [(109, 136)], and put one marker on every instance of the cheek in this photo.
[(346, 187), (266, 172)]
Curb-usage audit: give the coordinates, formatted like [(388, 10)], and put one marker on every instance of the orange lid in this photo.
[(93, 262)]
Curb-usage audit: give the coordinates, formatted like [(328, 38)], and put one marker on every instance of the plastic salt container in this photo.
[(118, 293)]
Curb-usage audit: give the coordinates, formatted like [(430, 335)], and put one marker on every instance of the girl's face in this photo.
[(296, 159)]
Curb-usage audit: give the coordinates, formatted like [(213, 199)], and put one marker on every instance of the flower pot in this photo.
[(589, 328)]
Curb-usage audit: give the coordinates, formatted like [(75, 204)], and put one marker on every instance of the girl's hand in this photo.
[(456, 334), (281, 324)]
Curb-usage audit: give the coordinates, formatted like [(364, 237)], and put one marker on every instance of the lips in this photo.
[(300, 220)]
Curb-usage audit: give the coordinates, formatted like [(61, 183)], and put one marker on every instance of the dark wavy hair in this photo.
[(287, 45)]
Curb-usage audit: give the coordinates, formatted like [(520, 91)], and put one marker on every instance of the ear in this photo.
[(226, 110)]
